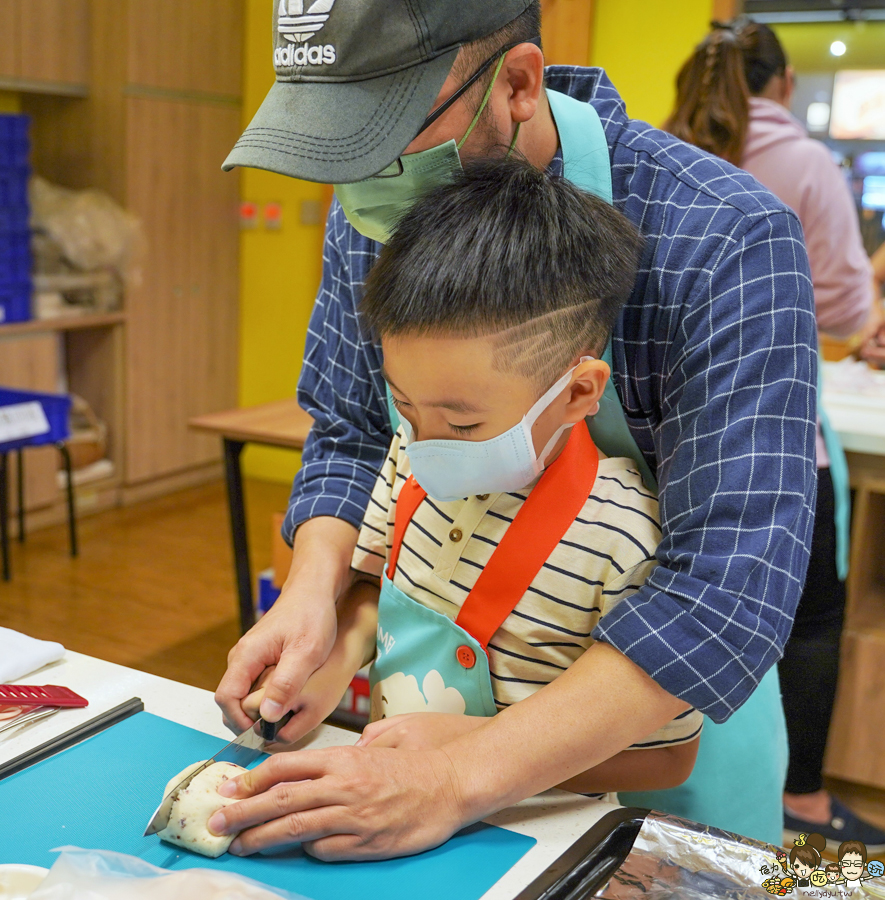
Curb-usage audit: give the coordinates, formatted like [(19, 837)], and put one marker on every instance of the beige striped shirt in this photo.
[(606, 555)]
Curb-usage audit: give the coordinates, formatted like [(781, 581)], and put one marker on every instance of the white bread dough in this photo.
[(195, 805)]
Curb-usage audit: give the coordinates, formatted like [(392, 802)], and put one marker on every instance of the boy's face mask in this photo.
[(375, 205), (451, 469)]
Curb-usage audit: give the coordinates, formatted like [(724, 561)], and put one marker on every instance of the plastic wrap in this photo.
[(86, 229), (675, 859), (100, 875)]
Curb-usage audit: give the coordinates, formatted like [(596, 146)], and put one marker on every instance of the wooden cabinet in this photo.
[(44, 45), (9, 43), (194, 46), (55, 41), (184, 313), (567, 31), (161, 115), (31, 362)]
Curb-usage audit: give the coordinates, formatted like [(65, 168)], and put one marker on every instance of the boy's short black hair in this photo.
[(508, 251)]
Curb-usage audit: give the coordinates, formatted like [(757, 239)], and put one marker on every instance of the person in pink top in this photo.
[(733, 100)]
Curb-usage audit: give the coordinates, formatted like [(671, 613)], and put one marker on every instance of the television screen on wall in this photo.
[(858, 112)]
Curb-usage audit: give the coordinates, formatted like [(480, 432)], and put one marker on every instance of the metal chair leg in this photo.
[(20, 456), (4, 516), (72, 520), (239, 536)]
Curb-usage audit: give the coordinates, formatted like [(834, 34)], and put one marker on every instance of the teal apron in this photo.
[(424, 661), (841, 488), (738, 779), (739, 776)]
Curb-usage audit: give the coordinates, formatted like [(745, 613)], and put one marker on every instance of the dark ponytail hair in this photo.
[(713, 89)]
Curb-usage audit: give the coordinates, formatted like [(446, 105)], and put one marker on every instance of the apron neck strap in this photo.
[(410, 498), (552, 505), (585, 154)]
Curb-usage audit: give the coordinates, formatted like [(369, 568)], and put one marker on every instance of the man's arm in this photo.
[(736, 471), (363, 802), (341, 387)]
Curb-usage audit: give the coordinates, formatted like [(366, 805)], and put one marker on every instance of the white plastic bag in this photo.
[(90, 230), (102, 875)]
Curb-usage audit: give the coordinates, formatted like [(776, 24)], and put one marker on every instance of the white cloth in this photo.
[(20, 655)]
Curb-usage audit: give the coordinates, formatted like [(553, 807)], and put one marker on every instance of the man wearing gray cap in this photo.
[(712, 394)]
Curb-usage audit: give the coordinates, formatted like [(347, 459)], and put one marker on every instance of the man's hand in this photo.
[(418, 731), (354, 647), (298, 633), (344, 803)]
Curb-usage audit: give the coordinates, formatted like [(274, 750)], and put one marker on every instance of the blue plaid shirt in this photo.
[(715, 363)]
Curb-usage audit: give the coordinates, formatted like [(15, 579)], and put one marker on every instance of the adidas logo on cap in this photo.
[(297, 26)]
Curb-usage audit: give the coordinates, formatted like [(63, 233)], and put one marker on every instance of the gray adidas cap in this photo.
[(355, 80)]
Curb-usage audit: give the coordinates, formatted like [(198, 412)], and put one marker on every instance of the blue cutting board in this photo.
[(100, 794)]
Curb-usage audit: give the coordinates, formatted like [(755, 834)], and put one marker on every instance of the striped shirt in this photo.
[(606, 555)]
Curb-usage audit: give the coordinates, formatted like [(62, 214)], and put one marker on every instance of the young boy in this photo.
[(499, 533)]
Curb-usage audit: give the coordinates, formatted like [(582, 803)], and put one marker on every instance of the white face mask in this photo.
[(450, 469)]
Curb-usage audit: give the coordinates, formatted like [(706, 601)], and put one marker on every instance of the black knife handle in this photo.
[(269, 730)]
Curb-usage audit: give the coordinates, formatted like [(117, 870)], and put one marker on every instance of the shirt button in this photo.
[(455, 535), (466, 656), (482, 496)]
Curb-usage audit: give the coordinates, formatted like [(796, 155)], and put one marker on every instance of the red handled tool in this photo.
[(47, 695)]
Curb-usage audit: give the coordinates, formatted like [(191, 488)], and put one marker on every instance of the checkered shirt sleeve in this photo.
[(715, 364), (342, 388)]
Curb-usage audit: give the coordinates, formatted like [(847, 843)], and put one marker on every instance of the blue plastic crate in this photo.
[(15, 144), (13, 220), (15, 302), (57, 408), (14, 186), (15, 258)]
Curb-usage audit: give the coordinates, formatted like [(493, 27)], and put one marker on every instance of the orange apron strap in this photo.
[(410, 498), (553, 504)]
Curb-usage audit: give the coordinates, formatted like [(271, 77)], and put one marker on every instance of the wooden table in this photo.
[(282, 423)]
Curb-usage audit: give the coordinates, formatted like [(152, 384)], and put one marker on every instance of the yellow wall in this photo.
[(642, 44), (9, 102), (279, 270), (808, 45)]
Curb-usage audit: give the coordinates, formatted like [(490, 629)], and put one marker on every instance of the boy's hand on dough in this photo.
[(418, 731)]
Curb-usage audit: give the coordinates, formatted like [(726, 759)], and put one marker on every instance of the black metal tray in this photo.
[(591, 861)]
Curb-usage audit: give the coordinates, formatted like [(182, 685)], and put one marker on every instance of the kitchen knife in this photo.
[(241, 750)]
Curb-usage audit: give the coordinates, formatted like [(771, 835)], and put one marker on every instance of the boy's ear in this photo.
[(586, 388)]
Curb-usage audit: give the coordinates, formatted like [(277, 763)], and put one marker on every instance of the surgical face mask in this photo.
[(375, 205), (450, 470)]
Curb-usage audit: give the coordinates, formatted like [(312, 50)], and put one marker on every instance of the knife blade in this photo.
[(242, 750)]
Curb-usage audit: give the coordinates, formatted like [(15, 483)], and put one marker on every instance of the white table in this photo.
[(555, 819), (856, 413)]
